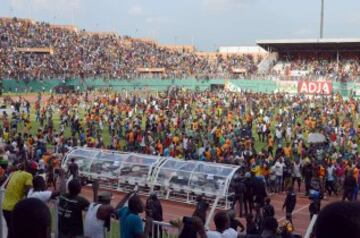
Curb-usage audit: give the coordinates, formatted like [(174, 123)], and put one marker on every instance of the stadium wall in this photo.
[(268, 86)]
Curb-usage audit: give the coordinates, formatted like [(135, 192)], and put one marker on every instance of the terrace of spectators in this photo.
[(325, 59), (37, 50), (77, 53)]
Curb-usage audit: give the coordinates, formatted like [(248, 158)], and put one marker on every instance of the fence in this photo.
[(163, 230), (264, 84)]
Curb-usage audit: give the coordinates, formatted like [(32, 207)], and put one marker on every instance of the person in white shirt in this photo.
[(223, 230), (288, 133), (330, 179), (97, 219), (40, 191), (278, 135), (279, 171)]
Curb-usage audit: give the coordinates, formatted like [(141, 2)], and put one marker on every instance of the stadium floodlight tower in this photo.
[(322, 19)]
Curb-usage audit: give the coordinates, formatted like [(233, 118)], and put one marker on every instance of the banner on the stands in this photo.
[(321, 87), (229, 86), (299, 73), (287, 87)]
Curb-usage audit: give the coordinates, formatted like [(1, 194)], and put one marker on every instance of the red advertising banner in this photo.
[(308, 87)]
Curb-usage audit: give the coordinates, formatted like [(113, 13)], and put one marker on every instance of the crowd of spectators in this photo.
[(84, 54), (73, 54), (325, 66)]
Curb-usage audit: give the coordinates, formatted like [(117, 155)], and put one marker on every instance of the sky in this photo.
[(207, 24)]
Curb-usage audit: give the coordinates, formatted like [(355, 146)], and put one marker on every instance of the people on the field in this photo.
[(290, 203), (206, 126)]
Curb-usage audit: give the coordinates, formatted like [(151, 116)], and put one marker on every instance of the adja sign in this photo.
[(307, 87)]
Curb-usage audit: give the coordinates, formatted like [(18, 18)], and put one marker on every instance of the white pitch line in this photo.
[(294, 212)]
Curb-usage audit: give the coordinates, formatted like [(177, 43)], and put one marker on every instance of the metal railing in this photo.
[(163, 230)]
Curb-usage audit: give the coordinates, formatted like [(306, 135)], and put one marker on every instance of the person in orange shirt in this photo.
[(160, 148), (313, 123), (288, 151), (300, 148), (207, 154), (270, 144), (322, 173), (218, 132), (195, 125), (249, 119), (225, 147), (356, 171), (46, 157), (218, 152), (230, 117), (176, 140)]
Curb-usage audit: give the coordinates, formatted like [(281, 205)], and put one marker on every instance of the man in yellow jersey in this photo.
[(17, 187)]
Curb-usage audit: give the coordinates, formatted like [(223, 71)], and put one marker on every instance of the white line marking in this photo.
[(294, 212)]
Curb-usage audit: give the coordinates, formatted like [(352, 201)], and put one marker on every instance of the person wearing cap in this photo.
[(16, 187), (97, 219)]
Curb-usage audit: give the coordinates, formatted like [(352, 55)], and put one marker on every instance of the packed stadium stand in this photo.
[(326, 59), (38, 50)]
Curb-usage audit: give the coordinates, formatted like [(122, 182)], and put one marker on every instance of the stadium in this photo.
[(108, 135)]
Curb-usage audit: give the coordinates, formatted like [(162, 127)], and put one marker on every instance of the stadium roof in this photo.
[(311, 45)]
